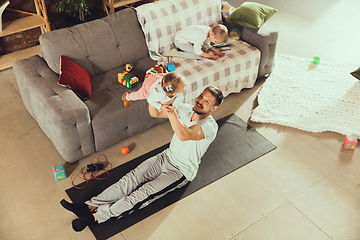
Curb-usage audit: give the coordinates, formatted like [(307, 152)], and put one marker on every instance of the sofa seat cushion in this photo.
[(111, 121), (97, 46), (238, 70), (160, 20)]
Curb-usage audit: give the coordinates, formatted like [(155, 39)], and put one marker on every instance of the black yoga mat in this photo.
[(236, 145)]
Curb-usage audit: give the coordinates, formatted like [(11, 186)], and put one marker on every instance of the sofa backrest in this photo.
[(160, 20), (97, 46)]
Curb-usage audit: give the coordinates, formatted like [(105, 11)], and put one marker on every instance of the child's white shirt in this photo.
[(157, 95), (197, 35)]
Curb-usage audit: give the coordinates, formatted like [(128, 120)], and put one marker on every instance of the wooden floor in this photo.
[(308, 188)]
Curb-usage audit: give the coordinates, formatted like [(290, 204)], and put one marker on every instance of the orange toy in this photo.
[(124, 150)]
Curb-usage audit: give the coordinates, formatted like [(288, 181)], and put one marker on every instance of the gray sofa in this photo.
[(79, 127)]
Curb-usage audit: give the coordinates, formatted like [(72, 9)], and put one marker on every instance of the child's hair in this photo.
[(221, 32), (171, 82)]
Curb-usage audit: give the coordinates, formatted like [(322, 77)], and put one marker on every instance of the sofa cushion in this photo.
[(160, 20), (238, 70), (75, 77), (251, 15), (97, 46), (111, 121)]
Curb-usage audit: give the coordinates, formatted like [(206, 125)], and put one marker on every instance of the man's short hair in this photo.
[(217, 93)]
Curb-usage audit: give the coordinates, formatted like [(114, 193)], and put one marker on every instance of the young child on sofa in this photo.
[(192, 39), (158, 89)]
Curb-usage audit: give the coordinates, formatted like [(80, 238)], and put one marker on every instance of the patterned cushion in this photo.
[(239, 70), (160, 20)]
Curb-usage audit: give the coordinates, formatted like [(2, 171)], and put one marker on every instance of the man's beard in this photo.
[(199, 113), (201, 107)]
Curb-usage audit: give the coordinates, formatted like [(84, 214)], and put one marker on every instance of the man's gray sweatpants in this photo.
[(154, 175)]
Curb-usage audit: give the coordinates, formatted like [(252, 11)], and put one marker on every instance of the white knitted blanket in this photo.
[(315, 98)]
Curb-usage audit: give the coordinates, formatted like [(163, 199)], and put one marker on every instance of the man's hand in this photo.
[(170, 110)]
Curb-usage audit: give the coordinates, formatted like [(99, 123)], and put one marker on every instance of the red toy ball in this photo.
[(124, 150)]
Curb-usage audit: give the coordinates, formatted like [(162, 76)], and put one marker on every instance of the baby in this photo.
[(192, 39), (159, 89)]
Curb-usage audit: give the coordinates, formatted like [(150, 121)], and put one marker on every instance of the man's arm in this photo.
[(183, 132), (156, 113)]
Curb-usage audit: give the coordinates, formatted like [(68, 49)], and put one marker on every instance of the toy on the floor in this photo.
[(125, 150), (127, 79), (154, 70), (235, 33), (59, 172), (316, 60), (350, 142)]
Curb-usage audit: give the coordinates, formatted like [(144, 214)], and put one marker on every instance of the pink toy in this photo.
[(59, 172), (350, 142)]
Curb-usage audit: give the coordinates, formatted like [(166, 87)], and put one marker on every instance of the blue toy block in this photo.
[(59, 172), (171, 66)]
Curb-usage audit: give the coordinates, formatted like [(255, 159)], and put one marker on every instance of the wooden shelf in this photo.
[(34, 20), (120, 3), (110, 5), (6, 61), (22, 24)]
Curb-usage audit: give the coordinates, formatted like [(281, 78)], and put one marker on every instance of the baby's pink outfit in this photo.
[(144, 91)]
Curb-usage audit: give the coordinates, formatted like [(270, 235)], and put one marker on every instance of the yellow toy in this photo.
[(129, 66), (128, 80), (154, 70)]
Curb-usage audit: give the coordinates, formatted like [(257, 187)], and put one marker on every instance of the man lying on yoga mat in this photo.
[(194, 129)]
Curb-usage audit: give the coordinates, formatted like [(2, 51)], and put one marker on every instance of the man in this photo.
[(194, 130)]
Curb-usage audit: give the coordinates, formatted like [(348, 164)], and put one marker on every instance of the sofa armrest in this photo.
[(62, 116), (265, 39)]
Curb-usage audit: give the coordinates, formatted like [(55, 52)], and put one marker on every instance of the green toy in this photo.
[(59, 172), (316, 60)]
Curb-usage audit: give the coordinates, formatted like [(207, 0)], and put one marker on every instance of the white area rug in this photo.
[(315, 98)]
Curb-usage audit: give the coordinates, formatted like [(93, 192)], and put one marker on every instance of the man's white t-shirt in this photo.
[(197, 35), (186, 155)]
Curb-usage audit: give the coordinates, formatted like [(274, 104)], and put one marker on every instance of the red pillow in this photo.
[(75, 77)]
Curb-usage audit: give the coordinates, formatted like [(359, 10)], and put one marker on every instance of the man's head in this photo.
[(208, 101)]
